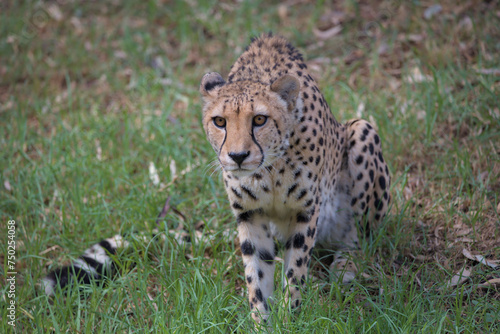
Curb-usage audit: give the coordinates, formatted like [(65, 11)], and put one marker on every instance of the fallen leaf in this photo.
[(407, 193), (154, 304), (416, 76), (327, 34), (489, 283), (77, 24), (436, 231), (173, 169), (466, 24), (50, 249), (157, 63), (365, 276), (337, 17), (416, 38), (55, 12), (199, 225), (120, 54), (394, 84), (489, 71), (459, 278), (481, 259), (329, 19), (464, 240), (360, 109), (421, 258), (98, 150), (431, 11), (421, 114), (153, 174), (283, 12), (464, 232), (6, 106)]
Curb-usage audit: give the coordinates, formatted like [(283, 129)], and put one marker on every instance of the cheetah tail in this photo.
[(95, 264)]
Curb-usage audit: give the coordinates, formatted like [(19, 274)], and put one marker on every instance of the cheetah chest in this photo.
[(285, 190)]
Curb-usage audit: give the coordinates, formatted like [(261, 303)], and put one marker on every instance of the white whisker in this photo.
[(212, 167)]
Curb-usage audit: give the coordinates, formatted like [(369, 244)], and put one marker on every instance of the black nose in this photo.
[(239, 157)]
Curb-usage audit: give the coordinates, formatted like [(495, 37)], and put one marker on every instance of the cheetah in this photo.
[(290, 169)]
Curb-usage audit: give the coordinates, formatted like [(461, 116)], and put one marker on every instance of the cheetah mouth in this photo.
[(245, 169), (240, 172)]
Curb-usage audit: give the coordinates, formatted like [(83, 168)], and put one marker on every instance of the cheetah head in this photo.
[(248, 123)]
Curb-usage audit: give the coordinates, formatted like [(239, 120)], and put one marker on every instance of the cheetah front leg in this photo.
[(299, 247), (257, 248)]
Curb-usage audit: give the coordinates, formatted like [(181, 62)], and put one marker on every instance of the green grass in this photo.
[(90, 98)]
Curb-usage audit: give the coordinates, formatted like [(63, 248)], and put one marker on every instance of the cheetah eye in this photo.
[(219, 122), (259, 120)]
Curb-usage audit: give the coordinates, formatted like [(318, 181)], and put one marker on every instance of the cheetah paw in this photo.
[(343, 269)]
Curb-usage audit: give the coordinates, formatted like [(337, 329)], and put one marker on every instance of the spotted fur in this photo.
[(94, 265), (97, 263), (299, 175)]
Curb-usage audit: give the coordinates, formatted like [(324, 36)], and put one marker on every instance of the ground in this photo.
[(101, 122)]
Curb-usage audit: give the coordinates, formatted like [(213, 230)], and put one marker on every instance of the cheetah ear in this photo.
[(288, 88), (210, 84)]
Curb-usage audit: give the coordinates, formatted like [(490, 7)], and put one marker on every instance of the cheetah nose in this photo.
[(239, 156)]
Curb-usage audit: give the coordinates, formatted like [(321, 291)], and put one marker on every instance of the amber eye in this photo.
[(220, 122), (259, 120)]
